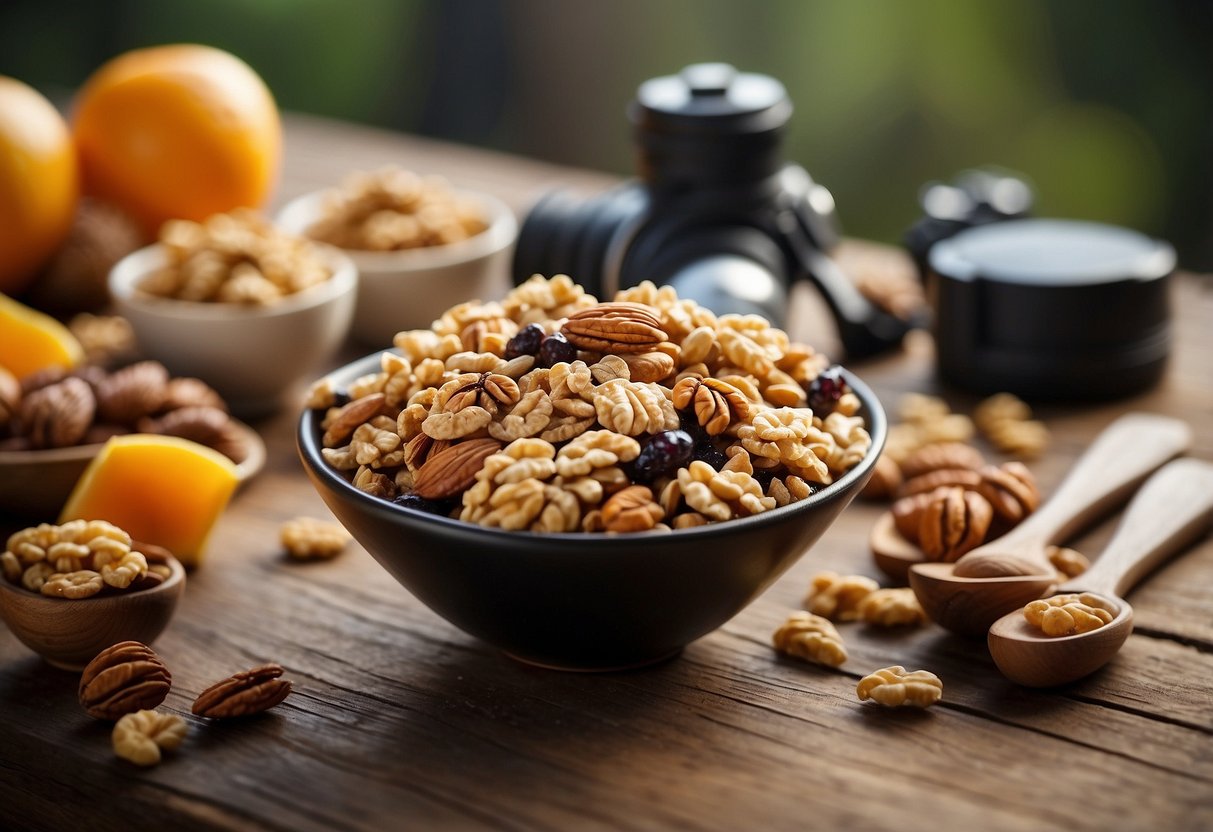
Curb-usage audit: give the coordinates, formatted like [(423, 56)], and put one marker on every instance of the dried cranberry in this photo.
[(709, 453), (690, 423), (764, 477), (526, 342), (664, 454), (340, 398), (555, 349), (825, 390), (420, 503)]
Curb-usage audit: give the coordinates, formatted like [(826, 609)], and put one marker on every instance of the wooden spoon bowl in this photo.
[(68, 634), (1174, 508)]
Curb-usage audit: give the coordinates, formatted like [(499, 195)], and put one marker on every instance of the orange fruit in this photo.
[(160, 489), (182, 131), (31, 341), (38, 183)]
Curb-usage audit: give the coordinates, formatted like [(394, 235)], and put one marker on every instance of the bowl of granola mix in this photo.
[(249, 309), (589, 485), (420, 245)]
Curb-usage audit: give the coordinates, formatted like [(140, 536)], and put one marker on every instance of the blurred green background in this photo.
[(1106, 105)]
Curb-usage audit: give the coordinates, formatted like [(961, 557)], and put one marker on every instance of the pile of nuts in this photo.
[(81, 559), (393, 209), (239, 257), (55, 408), (552, 412)]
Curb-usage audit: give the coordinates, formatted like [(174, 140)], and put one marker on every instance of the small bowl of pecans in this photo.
[(234, 301), (54, 422), (67, 592), (420, 245), (589, 485)]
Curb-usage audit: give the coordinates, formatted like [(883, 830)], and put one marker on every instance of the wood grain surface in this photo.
[(399, 721)]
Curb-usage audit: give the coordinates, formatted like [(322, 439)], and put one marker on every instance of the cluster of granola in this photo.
[(393, 209), (238, 257), (550, 411), (80, 559)]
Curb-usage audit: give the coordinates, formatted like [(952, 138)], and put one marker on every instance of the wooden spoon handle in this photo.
[(1127, 451), (1174, 508)]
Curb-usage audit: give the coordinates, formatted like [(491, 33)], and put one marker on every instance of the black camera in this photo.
[(717, 213)]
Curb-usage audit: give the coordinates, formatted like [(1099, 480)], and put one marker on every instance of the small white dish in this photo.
[(408, 289), (254, 356)]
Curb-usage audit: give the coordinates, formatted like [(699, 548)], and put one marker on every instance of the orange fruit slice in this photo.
[(31, 341), (38, 183), (182, 131), (160, 489)]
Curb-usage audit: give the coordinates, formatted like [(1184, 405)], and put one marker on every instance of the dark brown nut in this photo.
[(954, 521), (453, 470), (190, 392), (716, 404), (58, 415), (631, 510), (940, 456), (886, 479), (122, 679), (151, 552), (907, 515), (42, 378), (203, 425), (342, 422), (232, 442), (1010, 489), (926, 483), (101, 432), (614, 328), (248, 692), (131, 393)]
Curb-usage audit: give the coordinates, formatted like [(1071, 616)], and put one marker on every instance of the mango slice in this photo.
[(160, 489), (31, 341)]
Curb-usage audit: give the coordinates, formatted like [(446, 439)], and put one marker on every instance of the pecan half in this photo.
[(886, 479), (717, 404), (10, 398), (200, 424), (941, 456), (58, 415), (907, 515), (1011, 490), (926, 483), (452, 470), (190, 392), (953, 522), (244, 693), (649, 366), (131, 393), (614, 328), (341, 423), (122, 679)]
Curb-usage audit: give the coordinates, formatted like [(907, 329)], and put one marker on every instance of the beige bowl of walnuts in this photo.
[(416, 255), (251, 341)]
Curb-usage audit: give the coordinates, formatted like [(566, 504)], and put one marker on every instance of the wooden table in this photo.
[(400, 721)]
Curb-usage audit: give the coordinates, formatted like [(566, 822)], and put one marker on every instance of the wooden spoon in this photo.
[(967, 596), (1171, 511), (891, 551)]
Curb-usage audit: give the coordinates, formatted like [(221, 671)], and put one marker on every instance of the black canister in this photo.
[(1051, 309)]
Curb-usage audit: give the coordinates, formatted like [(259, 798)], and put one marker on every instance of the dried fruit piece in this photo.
[(248, 692), (123, 678)]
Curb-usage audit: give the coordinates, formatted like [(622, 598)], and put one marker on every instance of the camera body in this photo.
[(717, 212)]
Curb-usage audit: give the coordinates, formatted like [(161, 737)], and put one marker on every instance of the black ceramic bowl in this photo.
[(583, 601)]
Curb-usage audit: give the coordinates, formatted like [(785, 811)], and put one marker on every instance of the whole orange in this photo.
[(38, 183), (181, 131)]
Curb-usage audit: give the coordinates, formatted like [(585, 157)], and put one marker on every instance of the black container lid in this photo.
[(1052, 253), (1054, 309), (709, 124)]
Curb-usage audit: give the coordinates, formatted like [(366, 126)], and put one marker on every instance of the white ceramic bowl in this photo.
[(408, 289), (254, 356)]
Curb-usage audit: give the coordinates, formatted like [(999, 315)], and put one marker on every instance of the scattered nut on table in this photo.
[(812, 638), (307, 538), (141, 736), (838, 597), (892, 608), (244, 693), (895, 687), (123, 678)]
